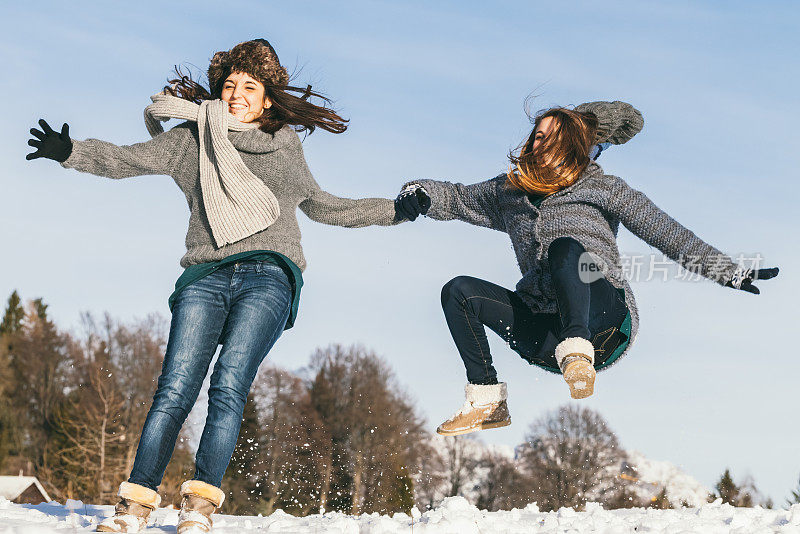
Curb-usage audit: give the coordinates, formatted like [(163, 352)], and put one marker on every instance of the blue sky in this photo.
[(437, 91)]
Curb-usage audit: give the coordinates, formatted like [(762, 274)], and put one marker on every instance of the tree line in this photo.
[(341, 434)]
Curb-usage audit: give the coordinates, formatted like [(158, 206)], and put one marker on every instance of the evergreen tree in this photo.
[(745, 495), (13, 316), (42, 364), (9, 424), (41, 309), (401, 494), (727, 490), (241, 477), (795, 498)]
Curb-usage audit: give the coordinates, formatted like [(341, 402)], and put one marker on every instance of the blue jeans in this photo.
[(244, 308)]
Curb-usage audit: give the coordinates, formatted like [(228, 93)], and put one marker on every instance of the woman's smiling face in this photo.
[(246, 96)]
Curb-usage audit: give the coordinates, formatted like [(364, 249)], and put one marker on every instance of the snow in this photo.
[(454, 515), (647, 477), (681, 488)]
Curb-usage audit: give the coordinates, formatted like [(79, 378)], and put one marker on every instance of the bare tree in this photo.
[(121, 349), (280, 455), (461, 461), (503, 485), (84, 455), (572, 457), (376, 436), (431, 478)]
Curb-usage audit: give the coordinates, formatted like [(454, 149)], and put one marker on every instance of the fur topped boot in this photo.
[(199, 501), (134, 507), (484, 408), (575, 357)]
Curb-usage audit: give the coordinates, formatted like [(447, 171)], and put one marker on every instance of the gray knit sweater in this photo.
[(589, 211), (275, 158)]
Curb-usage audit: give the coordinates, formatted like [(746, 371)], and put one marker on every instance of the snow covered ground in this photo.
[(455, 515)]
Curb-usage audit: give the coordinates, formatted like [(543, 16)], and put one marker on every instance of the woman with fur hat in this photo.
[(239, 161), (573, 312)]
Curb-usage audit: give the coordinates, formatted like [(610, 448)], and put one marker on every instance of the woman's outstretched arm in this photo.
[(475, 203), (655, 227), (323, 207), (159, 155)]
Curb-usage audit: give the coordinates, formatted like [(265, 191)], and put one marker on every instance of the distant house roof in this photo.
[(12, 488)]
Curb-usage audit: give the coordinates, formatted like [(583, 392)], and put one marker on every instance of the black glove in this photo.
[(49, 144), (412, 202), (745, 282)]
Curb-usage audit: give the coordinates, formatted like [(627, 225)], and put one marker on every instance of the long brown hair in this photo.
[(286, 108), (560, 158)]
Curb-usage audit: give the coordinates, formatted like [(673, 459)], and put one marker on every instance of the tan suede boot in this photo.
[(200, 500), (484, 408), (134, 507), (575, 357)]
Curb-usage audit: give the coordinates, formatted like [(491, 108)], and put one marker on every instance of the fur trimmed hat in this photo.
[(257, 58)]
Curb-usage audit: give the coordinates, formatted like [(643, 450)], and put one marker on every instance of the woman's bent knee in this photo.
[(457, 289)]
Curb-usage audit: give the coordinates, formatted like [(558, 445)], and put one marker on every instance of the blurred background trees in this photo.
[(338, 435), (72, 405)]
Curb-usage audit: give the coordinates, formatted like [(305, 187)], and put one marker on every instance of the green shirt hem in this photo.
[(194, 273), (625, 328)]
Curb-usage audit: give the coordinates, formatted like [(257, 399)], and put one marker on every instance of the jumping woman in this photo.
[(239, 161), (573, 312)]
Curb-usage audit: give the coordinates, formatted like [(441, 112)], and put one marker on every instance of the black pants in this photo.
[(593, 311)]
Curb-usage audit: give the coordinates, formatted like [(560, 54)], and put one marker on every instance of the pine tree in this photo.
[(42, 366), (41, 309), (745, 494), (13, 316), (9, 424), (727, 490), (241, 477), (401, 494), (795, 498)]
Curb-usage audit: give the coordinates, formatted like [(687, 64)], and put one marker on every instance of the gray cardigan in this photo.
[(275, 158), (589, 211)]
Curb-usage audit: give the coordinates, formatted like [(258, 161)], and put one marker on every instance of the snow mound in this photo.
[(455, 515)]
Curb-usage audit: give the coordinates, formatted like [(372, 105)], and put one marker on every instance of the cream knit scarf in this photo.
[(238, 203)]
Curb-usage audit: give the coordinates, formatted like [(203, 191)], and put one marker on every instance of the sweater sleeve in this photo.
[(474, 204), (654, 226), (323, 207), (159, 155)]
